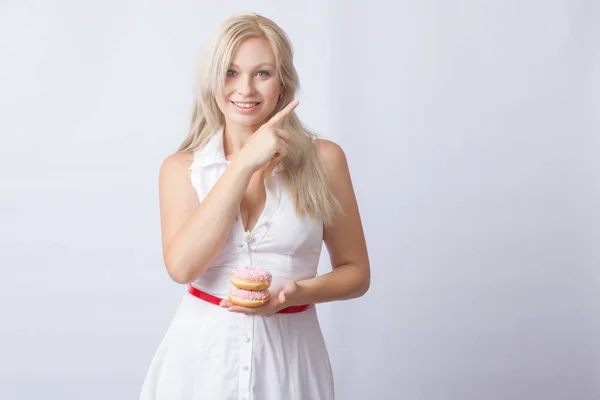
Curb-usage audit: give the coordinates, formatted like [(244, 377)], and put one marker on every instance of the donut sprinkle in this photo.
[(249, 294), (254, 273)]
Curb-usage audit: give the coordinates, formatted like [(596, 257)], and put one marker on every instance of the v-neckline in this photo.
[(261, 216)]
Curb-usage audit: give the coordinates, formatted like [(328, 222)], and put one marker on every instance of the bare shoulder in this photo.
[(333, 157), (177, 164), (181, 159)]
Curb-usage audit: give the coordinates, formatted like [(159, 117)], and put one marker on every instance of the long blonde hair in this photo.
[(302, 168)]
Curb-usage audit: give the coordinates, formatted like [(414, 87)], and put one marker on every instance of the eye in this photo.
[(231, 73), (263, 74)]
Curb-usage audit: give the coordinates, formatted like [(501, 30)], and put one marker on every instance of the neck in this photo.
[(235, 137)]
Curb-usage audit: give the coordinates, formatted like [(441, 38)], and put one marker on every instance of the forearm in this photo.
[(199, 241), (342, 283)]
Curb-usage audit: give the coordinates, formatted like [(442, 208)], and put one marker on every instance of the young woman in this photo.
[(250, 186)]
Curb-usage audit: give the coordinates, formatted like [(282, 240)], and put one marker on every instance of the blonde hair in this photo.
[(304, 173)]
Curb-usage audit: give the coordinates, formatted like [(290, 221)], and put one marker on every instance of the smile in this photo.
[(245, 107)]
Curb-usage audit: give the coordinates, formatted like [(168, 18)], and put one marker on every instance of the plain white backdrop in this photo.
[(472, 132)]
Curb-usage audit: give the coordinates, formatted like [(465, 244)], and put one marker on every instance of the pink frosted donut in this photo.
[(248, 298), (251, 278)]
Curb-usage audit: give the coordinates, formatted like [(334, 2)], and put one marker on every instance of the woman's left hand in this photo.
[(276, 303)]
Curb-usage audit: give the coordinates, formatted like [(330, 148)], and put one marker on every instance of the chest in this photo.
[(267, 217), (253, 202)]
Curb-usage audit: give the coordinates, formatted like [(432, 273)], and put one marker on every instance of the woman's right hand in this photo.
[(268, 143)]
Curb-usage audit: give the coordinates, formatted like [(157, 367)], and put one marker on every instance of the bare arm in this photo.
[(193, 233), (345, 241)]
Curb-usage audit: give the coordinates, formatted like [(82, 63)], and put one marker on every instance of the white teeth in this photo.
[(245, 105)]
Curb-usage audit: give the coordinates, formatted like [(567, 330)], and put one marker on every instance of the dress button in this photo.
[(248, 237), (246, 339), (245, 368)]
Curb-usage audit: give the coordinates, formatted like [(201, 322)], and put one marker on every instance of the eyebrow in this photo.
[(258, 66)]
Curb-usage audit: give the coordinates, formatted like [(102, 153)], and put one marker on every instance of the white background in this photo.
[(472, 133)]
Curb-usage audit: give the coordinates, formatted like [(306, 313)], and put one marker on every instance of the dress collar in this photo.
[(211, 153)]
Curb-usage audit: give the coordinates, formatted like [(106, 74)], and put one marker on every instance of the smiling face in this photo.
[(252, 86)]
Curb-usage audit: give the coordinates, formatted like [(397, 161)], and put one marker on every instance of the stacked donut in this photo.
[(250, 286)]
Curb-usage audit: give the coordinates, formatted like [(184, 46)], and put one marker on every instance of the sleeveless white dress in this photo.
[(210, 353)]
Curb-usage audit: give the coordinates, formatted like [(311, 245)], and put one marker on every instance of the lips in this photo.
[(245, 106), (245, 103)]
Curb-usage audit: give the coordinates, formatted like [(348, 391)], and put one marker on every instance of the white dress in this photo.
[(210, 353)]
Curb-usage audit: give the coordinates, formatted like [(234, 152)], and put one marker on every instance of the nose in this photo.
[(245, 86)]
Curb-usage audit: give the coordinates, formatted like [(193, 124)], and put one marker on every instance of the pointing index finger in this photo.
[(277, 118)]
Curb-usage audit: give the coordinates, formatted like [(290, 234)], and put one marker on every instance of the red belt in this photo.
[(216, 301)]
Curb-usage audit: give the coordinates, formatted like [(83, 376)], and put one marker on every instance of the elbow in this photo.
[(179, 272), (180, 276), (364, 288), (364, 283)]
